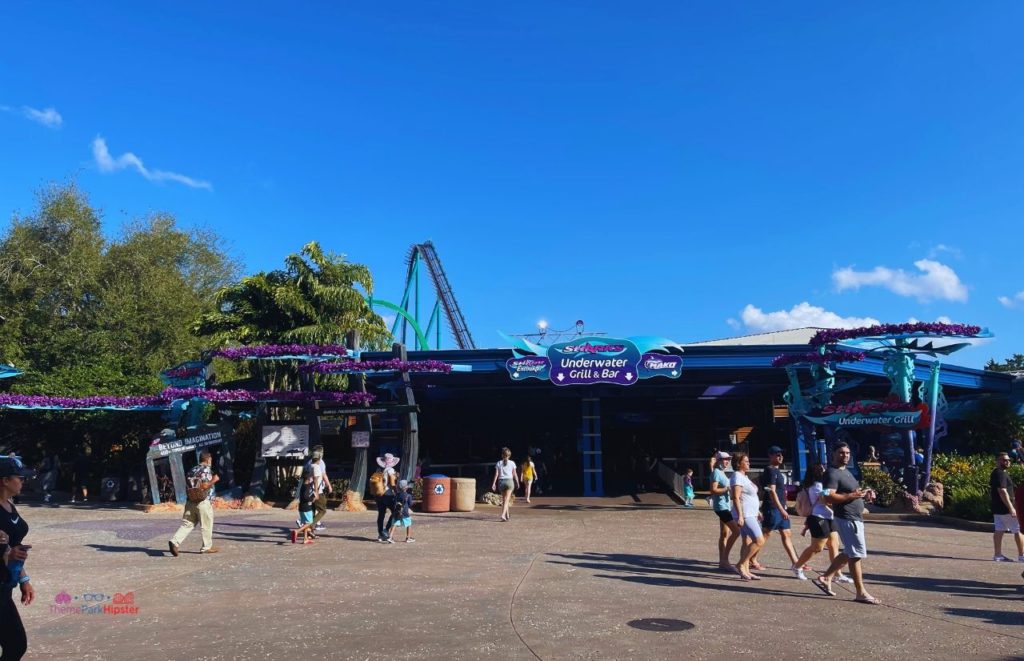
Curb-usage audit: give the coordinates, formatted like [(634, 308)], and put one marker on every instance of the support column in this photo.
[(593, 470)]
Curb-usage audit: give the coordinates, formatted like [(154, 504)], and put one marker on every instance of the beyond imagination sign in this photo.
[(871, 414), (590, 360)]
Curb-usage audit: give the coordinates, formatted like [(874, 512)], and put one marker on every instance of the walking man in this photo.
[(201, 477), (321, 486), (844, 495), (773, 506), (1004, 514)]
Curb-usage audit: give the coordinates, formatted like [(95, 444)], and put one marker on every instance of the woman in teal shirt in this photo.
[(728, 529)]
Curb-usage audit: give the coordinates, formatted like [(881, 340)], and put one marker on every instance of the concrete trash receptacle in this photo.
[(437, 493), (463, 494)]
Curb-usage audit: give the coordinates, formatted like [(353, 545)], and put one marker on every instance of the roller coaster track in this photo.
[(408, 311)]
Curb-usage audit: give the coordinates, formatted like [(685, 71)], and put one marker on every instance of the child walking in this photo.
[(403, 509), (307, 496), (688, 489)]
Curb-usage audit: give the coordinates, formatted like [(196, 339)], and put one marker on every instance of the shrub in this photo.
[(968, 502), (965, 481), (886, 489)]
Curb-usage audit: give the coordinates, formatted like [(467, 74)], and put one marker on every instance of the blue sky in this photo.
[(691, 170)]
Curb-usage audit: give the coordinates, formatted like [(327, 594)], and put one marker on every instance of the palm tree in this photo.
[(316, 299)]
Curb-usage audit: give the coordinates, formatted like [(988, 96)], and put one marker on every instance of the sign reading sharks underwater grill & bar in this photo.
[(589, 360), (867, 413)]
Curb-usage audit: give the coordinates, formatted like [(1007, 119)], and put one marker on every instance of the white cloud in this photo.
[(936, 281), (800, 316), (1012, 301), (48, 117), (943, 248), (107, 163)]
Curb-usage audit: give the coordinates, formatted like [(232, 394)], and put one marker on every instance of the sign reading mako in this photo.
[(590, 360)]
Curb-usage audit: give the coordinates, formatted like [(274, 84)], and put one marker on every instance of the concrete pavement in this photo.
[(564, 579)]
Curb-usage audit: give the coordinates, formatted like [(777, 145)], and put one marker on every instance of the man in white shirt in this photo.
[(321, 485)]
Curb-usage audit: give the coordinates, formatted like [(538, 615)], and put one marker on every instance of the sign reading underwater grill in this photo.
[(590, 360), (866, 413)]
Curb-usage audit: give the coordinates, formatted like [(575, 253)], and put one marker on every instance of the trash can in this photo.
[(463, 494), (110, 488), (437, 493)]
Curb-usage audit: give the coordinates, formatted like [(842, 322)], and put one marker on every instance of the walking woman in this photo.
[(746, 509), (13, 529), (721, 503), (529, 475), (819, 523), (505, 480)]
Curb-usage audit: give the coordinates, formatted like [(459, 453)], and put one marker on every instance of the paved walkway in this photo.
[(582, 579)]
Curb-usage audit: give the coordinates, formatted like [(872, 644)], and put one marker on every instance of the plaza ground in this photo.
[(564, 579)]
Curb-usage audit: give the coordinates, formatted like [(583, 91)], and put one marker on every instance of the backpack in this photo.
[(803, 503), (377, 487)]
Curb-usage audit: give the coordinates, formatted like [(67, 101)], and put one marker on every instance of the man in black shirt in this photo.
[(1004, 514), (773, 507), (843, 494)]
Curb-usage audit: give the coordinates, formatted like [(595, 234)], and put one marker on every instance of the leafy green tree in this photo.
[(991, 426), (1013, 364), (82, 315)]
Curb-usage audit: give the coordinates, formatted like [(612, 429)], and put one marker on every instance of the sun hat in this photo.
[(388, 460), (11, 466)]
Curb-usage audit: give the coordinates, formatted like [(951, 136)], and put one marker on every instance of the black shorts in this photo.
[(820, 528), (724, 515)]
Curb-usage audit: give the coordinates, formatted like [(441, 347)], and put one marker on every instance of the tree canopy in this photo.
[(81, 314), (1013, 364)]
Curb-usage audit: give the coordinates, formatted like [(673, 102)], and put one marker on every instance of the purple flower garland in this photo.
[(834, 356), (393, 365), (287, 396), (835, 335), (97, 401), (183, 372), (280, 350), (170, 394)]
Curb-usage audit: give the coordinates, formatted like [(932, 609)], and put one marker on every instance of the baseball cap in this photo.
[(775, 449), (12, 466), (722, 455)]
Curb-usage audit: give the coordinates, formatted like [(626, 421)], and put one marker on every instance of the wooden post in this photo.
[(410, 421), (361, 458)]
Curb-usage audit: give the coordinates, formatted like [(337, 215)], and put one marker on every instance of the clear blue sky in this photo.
[(667, 168)]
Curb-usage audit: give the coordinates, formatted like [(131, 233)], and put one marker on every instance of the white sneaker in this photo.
[(843, 578), (410, 540), (799, 573), (1001, 558)]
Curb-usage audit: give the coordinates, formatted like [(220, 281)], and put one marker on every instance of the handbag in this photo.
[(197, 494)]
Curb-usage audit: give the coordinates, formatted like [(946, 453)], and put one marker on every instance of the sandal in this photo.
[(824, 587), (868, 599)]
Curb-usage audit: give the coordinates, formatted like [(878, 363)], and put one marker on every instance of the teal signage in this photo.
[(869, 414), (592, 360)]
